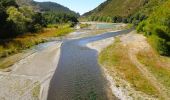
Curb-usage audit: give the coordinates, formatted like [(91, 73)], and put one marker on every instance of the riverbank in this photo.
[(78, 75), (33, 72), (30, 77), (17, 45), (131, 73)]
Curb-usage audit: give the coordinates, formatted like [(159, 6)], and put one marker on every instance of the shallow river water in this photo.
[(78, 75)]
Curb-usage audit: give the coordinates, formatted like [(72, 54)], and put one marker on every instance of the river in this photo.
[(78, 75)]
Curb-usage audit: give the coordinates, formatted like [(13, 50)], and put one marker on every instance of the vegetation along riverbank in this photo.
[(23, 27)]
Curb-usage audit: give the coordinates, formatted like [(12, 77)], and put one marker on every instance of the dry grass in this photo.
[(6, 64), (116, 57), (36, 90), (158, 66), (25, 41)]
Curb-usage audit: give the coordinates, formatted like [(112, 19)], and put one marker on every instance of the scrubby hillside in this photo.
[(116, 8), (132, 9), (157, 28), (151, 16)]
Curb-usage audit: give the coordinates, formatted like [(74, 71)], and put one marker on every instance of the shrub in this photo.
[(159, 44), (157, 28)]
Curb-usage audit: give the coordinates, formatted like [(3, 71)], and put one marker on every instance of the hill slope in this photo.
[(46, 6), (125, 8), (116, 8), (151, 16)]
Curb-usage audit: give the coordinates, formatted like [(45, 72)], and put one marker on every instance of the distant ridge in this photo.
[(46, 6)]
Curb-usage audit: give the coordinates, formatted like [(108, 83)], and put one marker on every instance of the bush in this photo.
[(140, 27), (159, 44), (157, 28), (63, 31), (37, 27)]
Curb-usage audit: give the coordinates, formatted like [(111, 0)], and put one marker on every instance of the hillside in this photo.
[(125, 8), (151, 17), (157, 28), (46, 6), (116, 8)]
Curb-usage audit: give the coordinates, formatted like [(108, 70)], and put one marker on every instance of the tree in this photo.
[(124, 20), (38, 21), (54, 18), (7, 3), (3, 16), (108, 19), (18, 18), (96, 18), (6, 27), (118, 19), (114, 19)]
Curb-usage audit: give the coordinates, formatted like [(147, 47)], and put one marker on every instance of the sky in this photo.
[(80, 6)]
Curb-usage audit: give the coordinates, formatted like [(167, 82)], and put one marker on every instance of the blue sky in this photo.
[(80, 6)]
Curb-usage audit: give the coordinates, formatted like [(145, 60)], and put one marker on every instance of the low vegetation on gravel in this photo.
[(25, 41), (84, 25), (157, 65), (36, 90), (115, 57)]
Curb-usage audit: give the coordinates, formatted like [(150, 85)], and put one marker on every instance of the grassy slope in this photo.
[(117, 8), (157, 66), (150, 6), (125, 8)]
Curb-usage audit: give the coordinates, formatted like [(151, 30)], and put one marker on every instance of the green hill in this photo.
[(157, 27), (116, 8), (124, 8), (46, 6), (152, 17)]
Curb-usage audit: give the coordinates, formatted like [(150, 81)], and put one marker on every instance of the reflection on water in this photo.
[(78, 75), (106, 26)]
